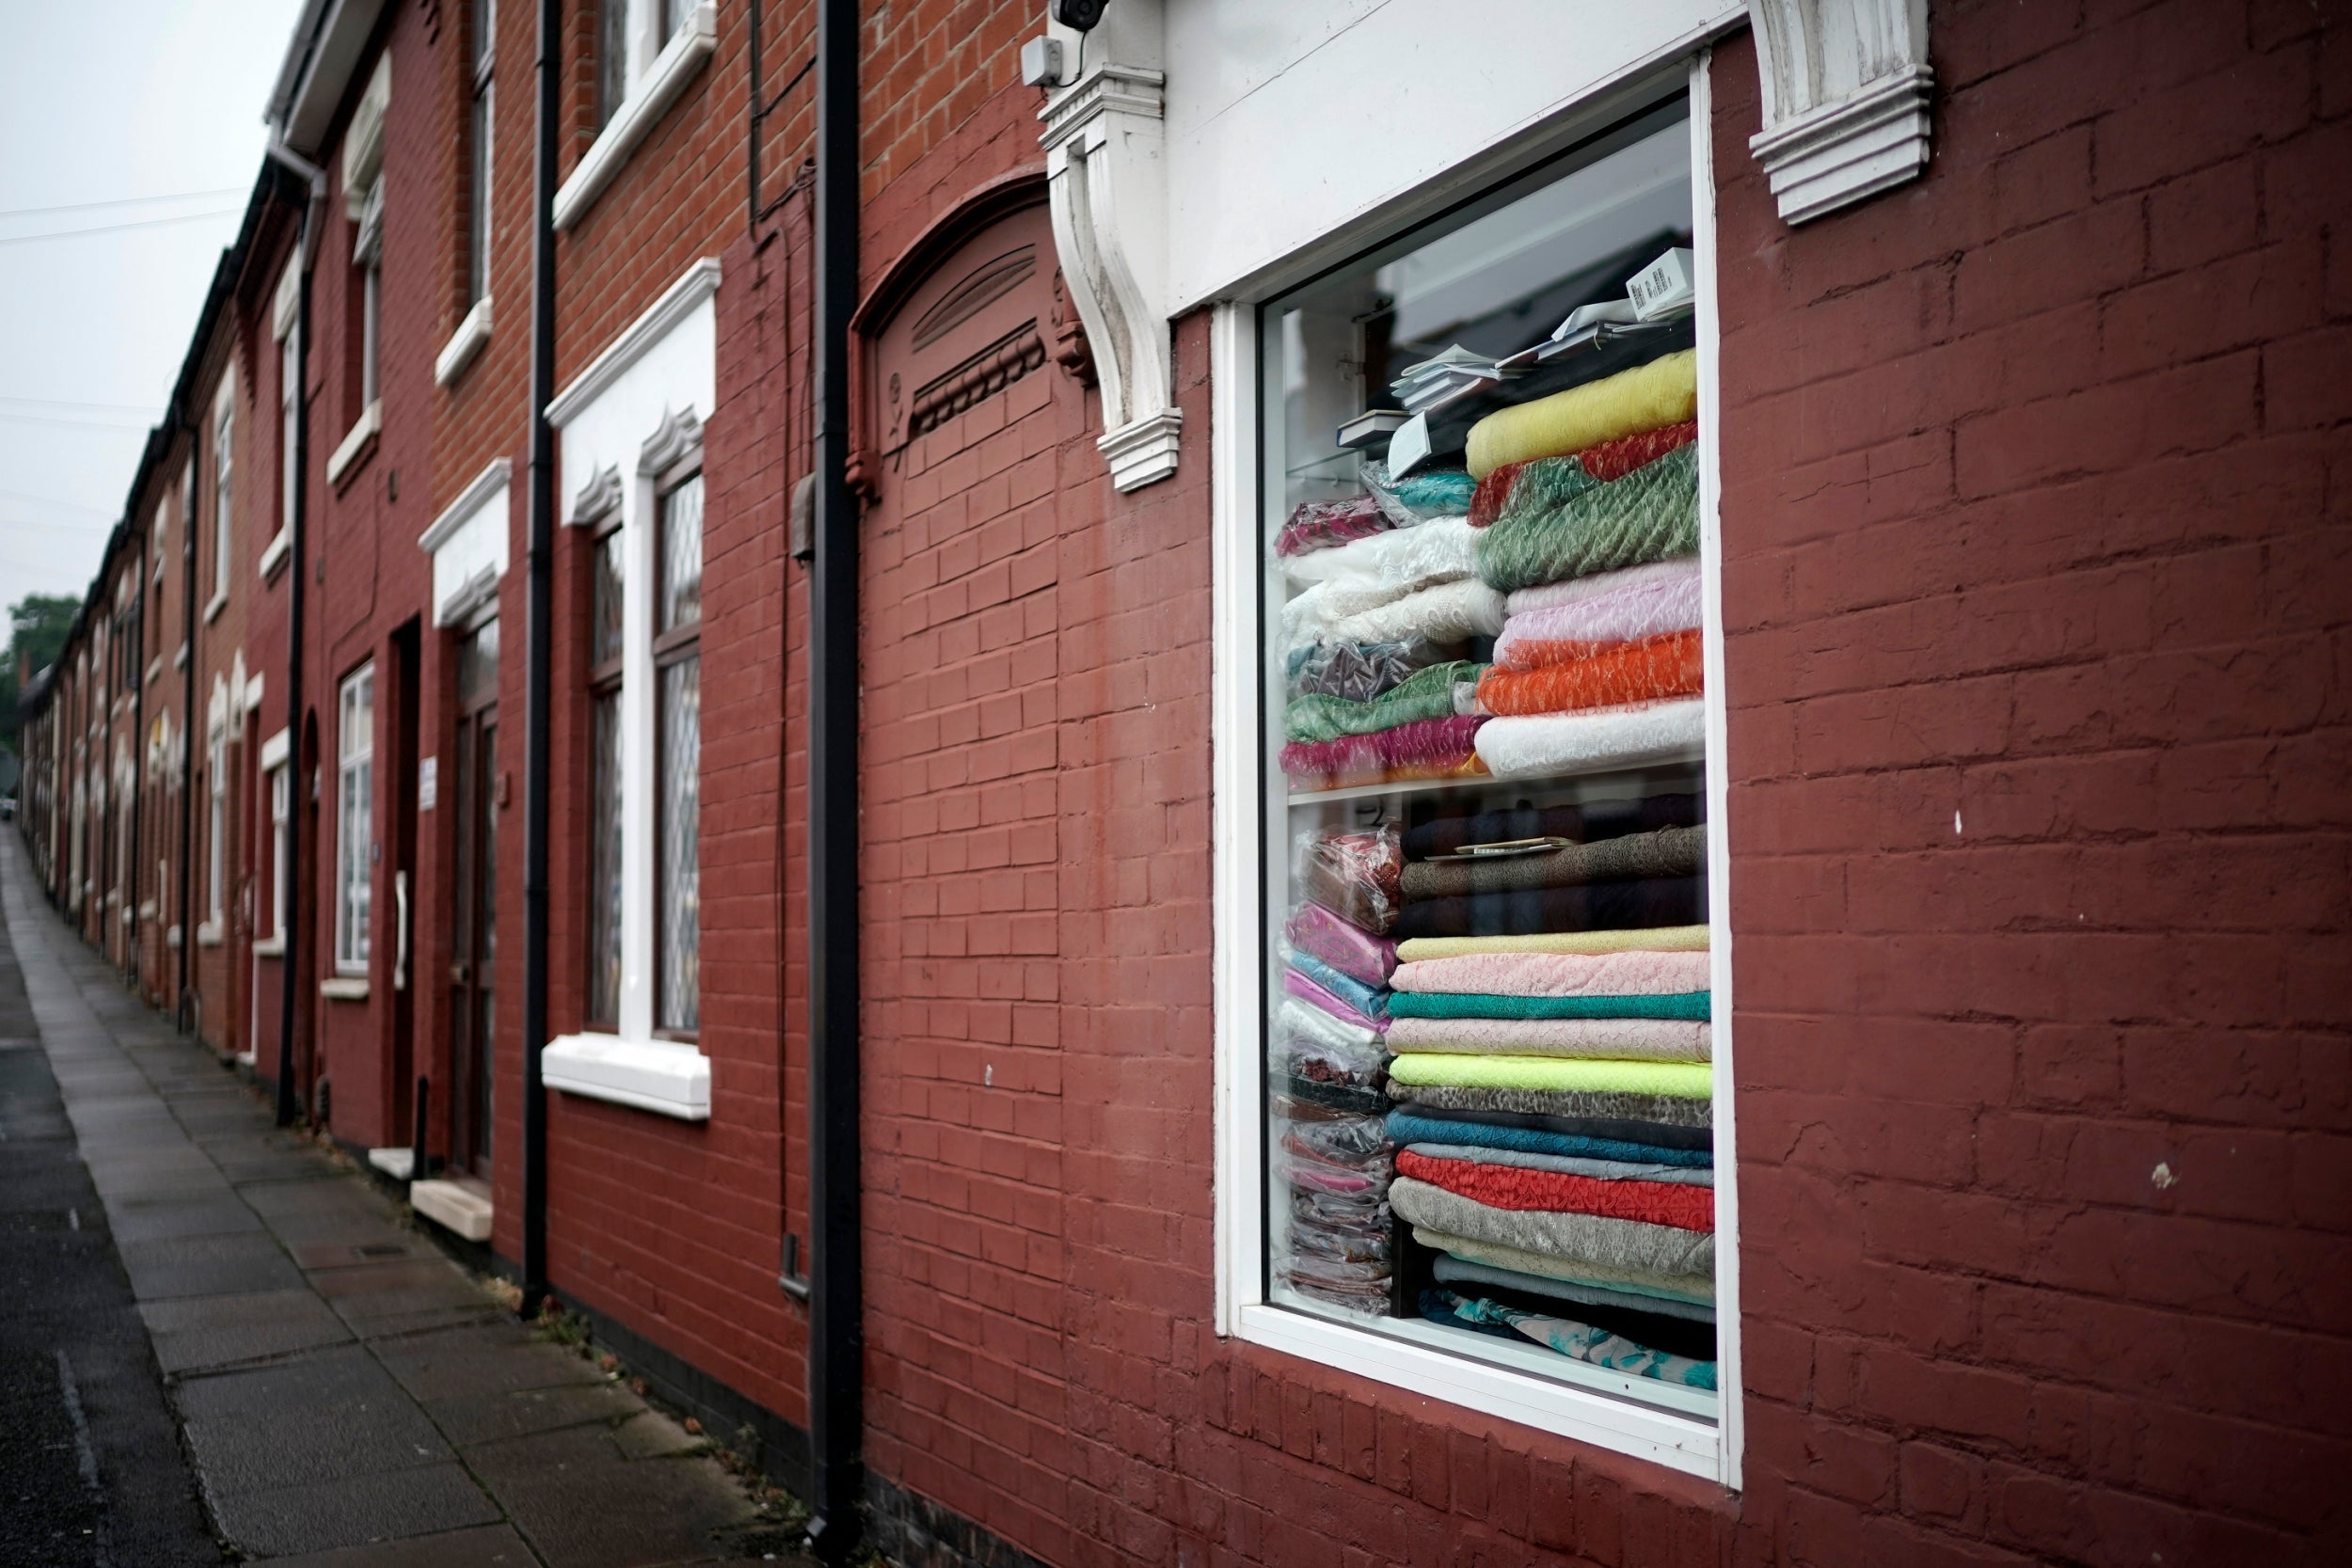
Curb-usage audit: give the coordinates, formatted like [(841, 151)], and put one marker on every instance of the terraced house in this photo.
[(1325, 784)]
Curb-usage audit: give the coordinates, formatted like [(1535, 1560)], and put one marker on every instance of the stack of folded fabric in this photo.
[(1550, 1018), (1331, 1064), (1586, 517), (1379, 692)]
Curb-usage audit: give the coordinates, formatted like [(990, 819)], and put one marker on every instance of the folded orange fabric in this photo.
[(1682, 1206), (1615, 459), (1607, 675), (1486, 500)]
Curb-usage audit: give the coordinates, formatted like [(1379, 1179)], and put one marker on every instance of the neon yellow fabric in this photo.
[(1685, 1080), (1666, 391)]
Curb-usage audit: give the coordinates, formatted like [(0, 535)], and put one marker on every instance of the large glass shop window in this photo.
[(1489, 1033)]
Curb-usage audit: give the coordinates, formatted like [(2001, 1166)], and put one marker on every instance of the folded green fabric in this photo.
[(1427, 693), (1698, 1290), (1688, 1080), (1561, 527), (1427, 1004), (1660, 1120)]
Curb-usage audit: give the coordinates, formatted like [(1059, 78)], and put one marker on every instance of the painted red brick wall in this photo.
[(2035, 586)]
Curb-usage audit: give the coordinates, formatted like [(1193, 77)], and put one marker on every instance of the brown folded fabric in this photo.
[(1668, 853)]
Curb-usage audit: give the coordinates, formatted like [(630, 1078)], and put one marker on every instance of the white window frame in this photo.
[(216, 823), (355, 819), (1399, 1354), (278, 774), (636, 1063)]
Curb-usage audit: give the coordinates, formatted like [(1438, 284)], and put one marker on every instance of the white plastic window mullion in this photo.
[(637, 762)]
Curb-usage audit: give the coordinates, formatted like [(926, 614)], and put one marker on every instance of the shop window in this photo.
[(355, 819), (678, 720), (1488, 1051)]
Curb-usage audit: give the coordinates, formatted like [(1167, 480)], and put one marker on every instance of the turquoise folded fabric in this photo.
[(1422, 1003), (1410, 1127), (1372, 1001)]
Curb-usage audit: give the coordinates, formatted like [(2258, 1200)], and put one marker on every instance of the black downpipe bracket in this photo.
[(835, 1329), (539, 675)]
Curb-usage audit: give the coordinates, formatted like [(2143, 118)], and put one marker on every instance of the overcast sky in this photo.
[(111, 101)]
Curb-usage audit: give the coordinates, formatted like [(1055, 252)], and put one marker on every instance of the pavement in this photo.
[(220, 1343)]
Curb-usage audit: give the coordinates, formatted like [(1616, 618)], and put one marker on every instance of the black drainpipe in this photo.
[(131, 949), (297, 779), (538, 696), (836, 1333), (183, 1014)]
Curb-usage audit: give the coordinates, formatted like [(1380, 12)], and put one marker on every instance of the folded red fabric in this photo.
[(1618, 458), (1670, 665), (1684, 1206)]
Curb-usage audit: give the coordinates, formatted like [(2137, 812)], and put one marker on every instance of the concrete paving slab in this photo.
[(222, 1331), (301, 1445), (472, 1420), (385, 1506), (584, 1505), (490, 1546), (241, 1263), (344, 1253), (484, 1359), (210, 1214)]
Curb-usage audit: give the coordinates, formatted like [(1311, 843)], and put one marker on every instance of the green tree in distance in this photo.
[(36, 627)]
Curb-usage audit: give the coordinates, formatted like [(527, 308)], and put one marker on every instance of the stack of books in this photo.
[(1441, 378)]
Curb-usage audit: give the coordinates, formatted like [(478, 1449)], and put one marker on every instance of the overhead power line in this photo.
[(118, 201), (147, 409), (117, 228)]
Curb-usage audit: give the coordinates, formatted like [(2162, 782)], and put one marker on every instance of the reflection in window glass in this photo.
[(355, 819), (1489, 1111), (677, 661)]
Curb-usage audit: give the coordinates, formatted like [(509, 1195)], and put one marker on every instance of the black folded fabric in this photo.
[(1598, 907), (1654, 1134), (1337, 1097), (1600, 819)]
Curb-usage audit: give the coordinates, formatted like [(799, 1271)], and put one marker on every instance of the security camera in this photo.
[(1079, 14)]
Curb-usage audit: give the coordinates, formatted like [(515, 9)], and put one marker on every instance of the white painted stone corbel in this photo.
[(1846, 93), (1108, 186)]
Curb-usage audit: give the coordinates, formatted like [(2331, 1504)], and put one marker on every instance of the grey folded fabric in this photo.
[(1617, 1243), (1665, 1110), (1456, 1271), (1668, 853)]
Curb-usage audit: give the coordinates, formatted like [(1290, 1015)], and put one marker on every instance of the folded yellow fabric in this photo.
[(1686, 1080), (1647, 397), (1655, 938)]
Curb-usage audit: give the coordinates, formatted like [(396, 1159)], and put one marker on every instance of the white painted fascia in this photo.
[(275, 552), (463, 344), (679, 60), (320, 58), (371, 424), (677, 303), (667, 1077)]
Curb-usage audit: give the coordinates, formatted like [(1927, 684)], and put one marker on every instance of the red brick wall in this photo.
[(2035, 574)]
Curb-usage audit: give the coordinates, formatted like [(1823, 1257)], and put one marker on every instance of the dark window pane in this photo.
[(677, 896), (604, 860), (681, 600), (604, 632), (612, 59), (478, 663)]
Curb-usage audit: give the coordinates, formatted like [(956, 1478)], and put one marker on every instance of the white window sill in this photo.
[(394, 1163), (171, 939), (679, 60), (1571, 1400), (147, 909), (461, 1207), (344, 988), (356, 444), (155, 668), (180, 656), (463, 344), (667, 1077), (207, 933), (270, 947), (275, 551), (213, 607)]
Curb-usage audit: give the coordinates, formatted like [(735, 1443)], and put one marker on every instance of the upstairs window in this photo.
[(224, 467), (484, 54)]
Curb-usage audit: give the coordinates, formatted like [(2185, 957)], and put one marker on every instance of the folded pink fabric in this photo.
[(1627, 611), (1576, 590), (1353, 952), (1438, 745), (1635, 973), (1629, 1039), (1315, 995)]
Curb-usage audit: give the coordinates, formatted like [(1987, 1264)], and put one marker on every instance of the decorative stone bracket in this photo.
[(1847, 88), (1108, 189)]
